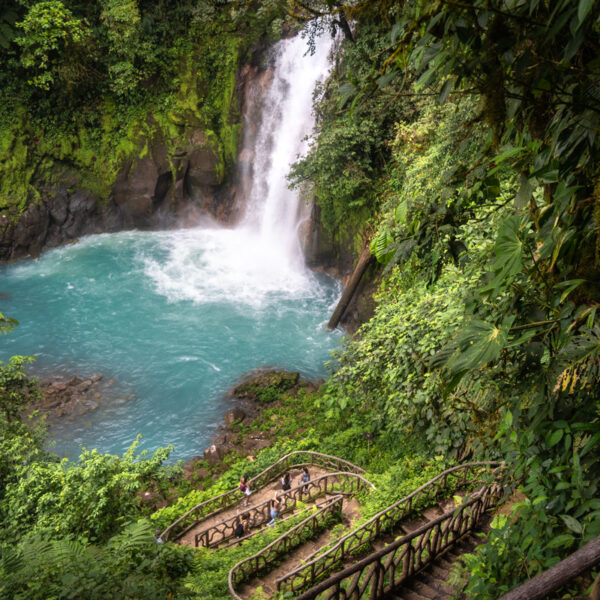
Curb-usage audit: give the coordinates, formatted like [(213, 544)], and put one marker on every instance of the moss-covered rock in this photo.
[(266, 387)]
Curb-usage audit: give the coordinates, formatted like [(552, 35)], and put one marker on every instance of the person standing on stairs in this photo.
[(286, 482), (245, 488), (274, 509), (239, 529), (247, 522), (305, 478)]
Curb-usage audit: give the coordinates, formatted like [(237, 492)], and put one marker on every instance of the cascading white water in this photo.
[(286, 119), (262, 256)]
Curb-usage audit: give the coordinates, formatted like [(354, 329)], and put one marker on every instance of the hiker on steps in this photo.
[(247, 522), (239, 529), (274, 509), (245, 488), (286, 482), (305, 478)]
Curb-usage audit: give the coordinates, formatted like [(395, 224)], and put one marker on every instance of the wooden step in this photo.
[(426, 590), (405, 593), (444, 563), (410, 526), (431, 513), (439, 572), (438, 583)]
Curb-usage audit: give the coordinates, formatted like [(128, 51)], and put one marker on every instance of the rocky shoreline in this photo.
[(68, 397), (258, 389)]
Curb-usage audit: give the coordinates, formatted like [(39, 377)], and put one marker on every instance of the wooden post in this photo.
[(364, 261)]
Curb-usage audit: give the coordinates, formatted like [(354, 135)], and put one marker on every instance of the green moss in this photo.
[(95, 143), (266, 387)]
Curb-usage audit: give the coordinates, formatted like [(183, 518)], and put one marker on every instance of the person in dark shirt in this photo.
[(239, 529)]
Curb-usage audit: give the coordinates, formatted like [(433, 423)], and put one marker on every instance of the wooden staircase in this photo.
[(405, 551), (433, 583), (409, 547)]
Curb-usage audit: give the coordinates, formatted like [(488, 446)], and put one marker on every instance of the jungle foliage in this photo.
[(487, 338), (462, 138), (77, 529), (85, 85)]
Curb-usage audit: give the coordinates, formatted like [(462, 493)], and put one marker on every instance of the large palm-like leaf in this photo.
[(508, 251), (479, 344)]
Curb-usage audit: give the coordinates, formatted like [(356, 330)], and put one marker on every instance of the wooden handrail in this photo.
[(225, 500), (349, 483), (544, 584), (282, 544), (319, 565), (379, 573)]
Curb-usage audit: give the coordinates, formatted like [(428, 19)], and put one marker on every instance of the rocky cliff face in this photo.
[(168, 188), (156, 191)]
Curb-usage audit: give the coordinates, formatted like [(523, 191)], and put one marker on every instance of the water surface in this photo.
[(175, 317)]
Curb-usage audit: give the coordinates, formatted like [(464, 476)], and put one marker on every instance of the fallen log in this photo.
[(364, 261), (544, 584)]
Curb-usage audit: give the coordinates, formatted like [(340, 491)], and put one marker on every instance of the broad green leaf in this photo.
[(563, 540), (385, 79), (509, 247), (499, 521), (583, 10), (401, 212), (554, 438), (445, 91), (347, 90), (508, 250), (380, 246), (589, 445), (479, 344), (524, 194), (568, 287), (572, 523)]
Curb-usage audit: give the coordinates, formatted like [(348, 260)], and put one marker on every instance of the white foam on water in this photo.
[(225, 265), (262, 257)]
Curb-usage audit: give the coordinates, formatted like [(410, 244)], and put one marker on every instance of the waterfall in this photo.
[(285, 118), (261, 258)]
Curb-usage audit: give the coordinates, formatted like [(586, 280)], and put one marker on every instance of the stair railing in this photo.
[(212, 506), (266, 557), (379, 573), (343, 484), (319, 565)]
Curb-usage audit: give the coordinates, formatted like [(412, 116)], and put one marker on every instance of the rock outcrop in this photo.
[(157, 190), (70, 397)]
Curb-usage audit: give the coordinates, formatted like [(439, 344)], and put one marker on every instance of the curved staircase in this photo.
[(406, 551), (217, 509)]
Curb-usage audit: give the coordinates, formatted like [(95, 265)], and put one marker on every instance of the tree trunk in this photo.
[(344, 26), (545, 583), (361, 266)]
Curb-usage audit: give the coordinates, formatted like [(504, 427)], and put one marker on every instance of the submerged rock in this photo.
[(70, 397)]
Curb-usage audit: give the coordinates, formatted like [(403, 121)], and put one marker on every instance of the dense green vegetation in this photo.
[(87, 85), (486, 339), (461, 138)]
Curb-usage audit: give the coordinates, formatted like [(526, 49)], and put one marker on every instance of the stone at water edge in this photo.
[(266, 386), (235, 414), (214, 453)]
